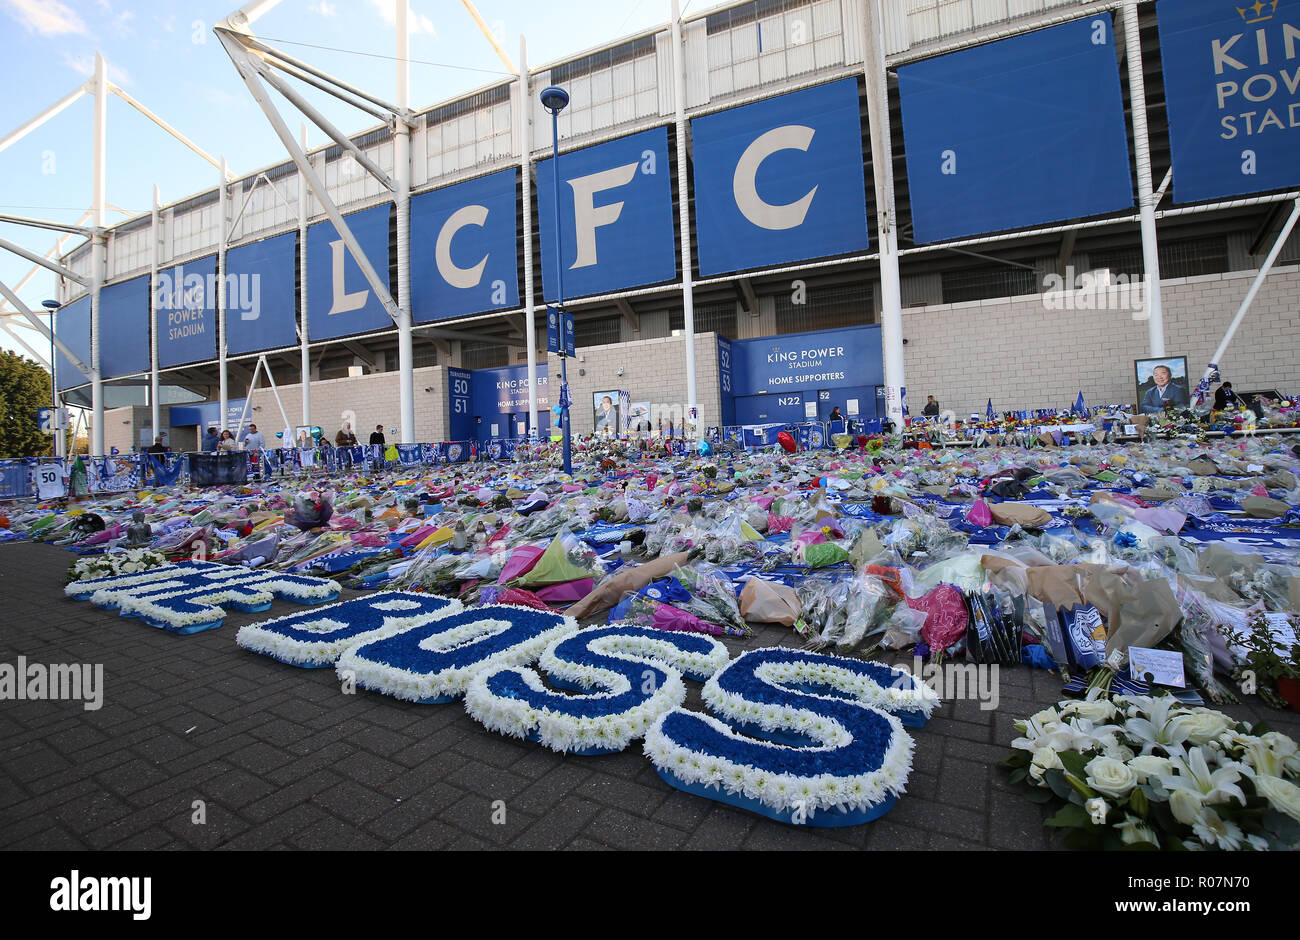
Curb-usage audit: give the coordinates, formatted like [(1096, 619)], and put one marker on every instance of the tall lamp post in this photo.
[(555, 100), (56, 431)]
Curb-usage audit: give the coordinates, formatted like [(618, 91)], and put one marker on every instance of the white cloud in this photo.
[(47, 17), (323, 9), (417, 22), (84, 65)]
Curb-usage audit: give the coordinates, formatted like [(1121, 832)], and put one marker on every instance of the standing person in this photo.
[(377, 435), (931, 407), (210, 442), (343, 440), (227, 444), (1225, 396), (157, 447), (835, 414), (253, 440)]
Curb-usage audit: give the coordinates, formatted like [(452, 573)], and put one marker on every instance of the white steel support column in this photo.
[(526, 175), (223, 379), (891, 306), (1146, 193), (1287, 228), (154, 257), (402, 200), (97, 252), (684, 219), (304, 194)]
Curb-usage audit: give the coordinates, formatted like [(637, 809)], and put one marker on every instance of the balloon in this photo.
[(279, 434), (786, 441), (705, 449), (557, 411), (316, 432)]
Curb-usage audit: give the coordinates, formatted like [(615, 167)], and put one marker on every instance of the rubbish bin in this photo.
[(218, 469)]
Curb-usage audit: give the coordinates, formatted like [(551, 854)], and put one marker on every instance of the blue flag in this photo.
[(1080, 407), (989, 412)]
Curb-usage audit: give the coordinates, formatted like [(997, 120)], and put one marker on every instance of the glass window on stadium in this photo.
[(1188, 257), (825, 308), (597, 331), (709, 318), (987, 283), (421, 357), (483, 355)]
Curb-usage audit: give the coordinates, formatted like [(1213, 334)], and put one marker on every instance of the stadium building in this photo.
[(767, 210)]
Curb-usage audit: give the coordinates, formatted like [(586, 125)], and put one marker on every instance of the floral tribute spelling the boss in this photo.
[(799, 737)]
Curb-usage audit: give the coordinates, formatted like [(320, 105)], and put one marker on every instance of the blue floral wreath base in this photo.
[(821, 819)]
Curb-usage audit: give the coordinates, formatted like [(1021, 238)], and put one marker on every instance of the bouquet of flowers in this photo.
[(1152, 773), (131, 561), (713, 598)]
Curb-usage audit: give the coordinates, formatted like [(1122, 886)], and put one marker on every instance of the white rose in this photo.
[(1045, 759), (1282, 794), (1092, 711), (1098, 810), (1204, 724), (1110, 776), (1148, 767)]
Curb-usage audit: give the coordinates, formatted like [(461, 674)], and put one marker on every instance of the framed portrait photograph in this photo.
[(605, 409), (1161, 381)]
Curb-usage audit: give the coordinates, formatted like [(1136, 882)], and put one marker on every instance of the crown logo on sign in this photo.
[(1256, 12)]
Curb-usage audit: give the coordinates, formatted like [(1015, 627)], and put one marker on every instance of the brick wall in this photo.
[(366, 400), (1024, 356)]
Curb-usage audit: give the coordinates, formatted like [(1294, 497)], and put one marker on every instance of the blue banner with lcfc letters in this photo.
[(340, 301), (123, 320), (72, 326), (780, 180), (616, 216), (261, 299), (463, 257), (1015, 133), (186, 304), (1232, 86)]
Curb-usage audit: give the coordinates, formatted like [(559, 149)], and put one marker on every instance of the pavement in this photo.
[(202, 745)]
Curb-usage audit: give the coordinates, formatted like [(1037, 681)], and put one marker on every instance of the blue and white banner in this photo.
[(780, 180), (186, 303), (1232, 87), (616, 216), (560, 337), (463, 257), (261, 300), (72, 326), (460, 403), (504, 391), (340, 301), (124, 328), (799, 361), (1016, 133)]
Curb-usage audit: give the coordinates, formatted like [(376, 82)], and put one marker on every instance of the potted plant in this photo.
[(1275, 672)]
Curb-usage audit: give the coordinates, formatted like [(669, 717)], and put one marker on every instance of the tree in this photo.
[(24, 387)]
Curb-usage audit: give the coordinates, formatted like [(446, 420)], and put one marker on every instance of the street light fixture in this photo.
[(56, 435), (555, 100)]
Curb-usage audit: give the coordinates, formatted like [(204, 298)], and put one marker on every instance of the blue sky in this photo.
[(164, 55)]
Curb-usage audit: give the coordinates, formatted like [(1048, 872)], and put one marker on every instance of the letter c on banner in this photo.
[(457, 276), (764, 214), (587, 217)]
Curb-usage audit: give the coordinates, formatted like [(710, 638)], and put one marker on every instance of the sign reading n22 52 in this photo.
[(559, 327)]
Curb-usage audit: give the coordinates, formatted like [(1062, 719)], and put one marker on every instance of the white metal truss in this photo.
[(99, 88)]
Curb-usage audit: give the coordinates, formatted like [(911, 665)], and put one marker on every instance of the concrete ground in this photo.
[(280, 758)]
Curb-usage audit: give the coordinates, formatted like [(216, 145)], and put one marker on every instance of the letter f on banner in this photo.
[(343, 301), (587, 217), (743, 182)]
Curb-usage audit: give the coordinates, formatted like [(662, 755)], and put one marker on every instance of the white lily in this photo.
[(1133, 831), (1160, 728), (1194, 777)]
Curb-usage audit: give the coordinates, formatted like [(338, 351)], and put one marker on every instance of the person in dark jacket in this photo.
[(210, 442), (1225, 396), (931, 407), (377, 435)]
